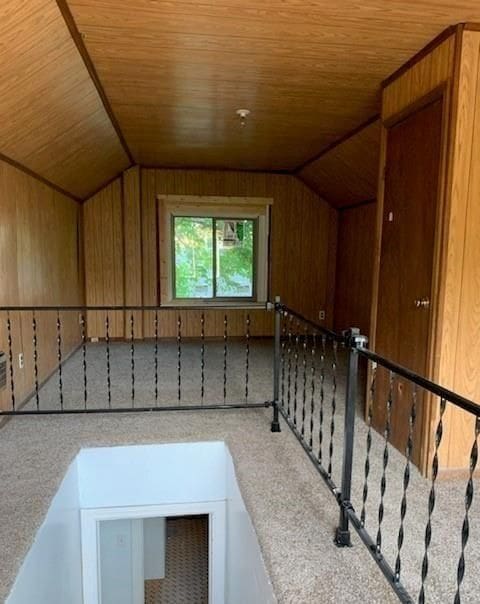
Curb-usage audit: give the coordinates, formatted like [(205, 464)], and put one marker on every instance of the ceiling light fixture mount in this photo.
[(243, 114)]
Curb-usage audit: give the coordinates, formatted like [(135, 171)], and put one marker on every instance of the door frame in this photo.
[(91, 517), (442, 92)]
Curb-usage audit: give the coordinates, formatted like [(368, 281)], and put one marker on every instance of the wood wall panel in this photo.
[(39, 265), (132, 237), (432, 71), (303, 238), (303, 230), (459, 329), (353, 291), (54, 120), (347, 174), (104, 258)]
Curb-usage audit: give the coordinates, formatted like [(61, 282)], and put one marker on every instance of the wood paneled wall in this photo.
[(302, 242), (459, 330), (105, 258), (353, 291), (39, 265)]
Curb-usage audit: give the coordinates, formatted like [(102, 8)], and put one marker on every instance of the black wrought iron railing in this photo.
[(321, 383), (359, 417), (101, 359)]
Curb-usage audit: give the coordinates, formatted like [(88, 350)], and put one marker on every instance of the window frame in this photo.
[(215, 207)]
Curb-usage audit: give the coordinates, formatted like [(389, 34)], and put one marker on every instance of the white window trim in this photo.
[(256, 208), (216, 511)]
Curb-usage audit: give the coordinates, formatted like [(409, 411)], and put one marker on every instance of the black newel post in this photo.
[(353, 341), (276, 365)]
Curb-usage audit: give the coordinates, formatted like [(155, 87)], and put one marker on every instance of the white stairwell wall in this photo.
[(187, 474)]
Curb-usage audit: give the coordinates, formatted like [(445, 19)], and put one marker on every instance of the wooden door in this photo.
[(406, 266)]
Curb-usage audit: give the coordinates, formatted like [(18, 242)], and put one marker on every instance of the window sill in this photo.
[(215, 304)]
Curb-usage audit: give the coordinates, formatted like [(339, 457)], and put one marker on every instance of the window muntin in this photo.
[(214, 258)]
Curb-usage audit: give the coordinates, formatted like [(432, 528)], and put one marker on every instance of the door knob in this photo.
[(422, 303)]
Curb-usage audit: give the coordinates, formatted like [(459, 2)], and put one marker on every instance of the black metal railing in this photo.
[(101, 359), (320, 380), (359, 417)]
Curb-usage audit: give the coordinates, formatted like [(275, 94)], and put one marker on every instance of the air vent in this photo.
[(3, 370)]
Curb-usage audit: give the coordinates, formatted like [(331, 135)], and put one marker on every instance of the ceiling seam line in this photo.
[(88, 62)]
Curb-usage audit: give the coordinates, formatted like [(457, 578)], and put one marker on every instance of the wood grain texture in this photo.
[(56, 125), (429, 73), (132, 237), (353, 289), (458, 363), (39, 265), (103, 233), (303, 230), (348, 173), (411, 200), (453, 350), (175, 72)]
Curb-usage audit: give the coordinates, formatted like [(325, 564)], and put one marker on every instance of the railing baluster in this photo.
[(468, 504), (304, 382), (334, 407), (202, 358), (289, 354), (247, 355), (322, 399), (431, 500), (225, 353), (363, 514), (295, 379), (282, 360), (383, 481), (132, 356), (179, 358), (59, 357), (406, 481), (35, 359), (107, 352), (84, 360), (155, 354), (10, 360), (312, 389)]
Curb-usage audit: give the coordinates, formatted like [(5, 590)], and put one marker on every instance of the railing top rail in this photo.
[(176, 307), (426, 384), (328, 332)]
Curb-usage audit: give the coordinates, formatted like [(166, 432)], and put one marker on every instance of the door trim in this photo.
[(216, 511)]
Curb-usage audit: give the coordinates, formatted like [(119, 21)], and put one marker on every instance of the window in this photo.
[(213, 250), (213, 257)]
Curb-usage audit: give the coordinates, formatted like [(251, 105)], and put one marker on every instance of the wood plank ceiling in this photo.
[(53, 121), (175, 71), (346, 174)]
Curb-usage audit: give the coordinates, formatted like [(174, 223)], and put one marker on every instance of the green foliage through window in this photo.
[(213, 257)]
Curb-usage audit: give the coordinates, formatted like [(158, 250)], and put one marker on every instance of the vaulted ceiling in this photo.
[(89, 87)]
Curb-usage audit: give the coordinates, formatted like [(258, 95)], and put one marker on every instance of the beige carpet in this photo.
[(186, 572)]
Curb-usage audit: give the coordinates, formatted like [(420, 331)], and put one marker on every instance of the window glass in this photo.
[(234, 265), (213, 257), (193, 257)]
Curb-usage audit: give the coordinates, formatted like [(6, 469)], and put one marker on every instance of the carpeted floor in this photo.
[(293, 513), (186, 564), (259, 382)]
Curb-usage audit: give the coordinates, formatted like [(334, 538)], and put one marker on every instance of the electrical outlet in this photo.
[(21, 360), (321, 315), (80, 321)]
